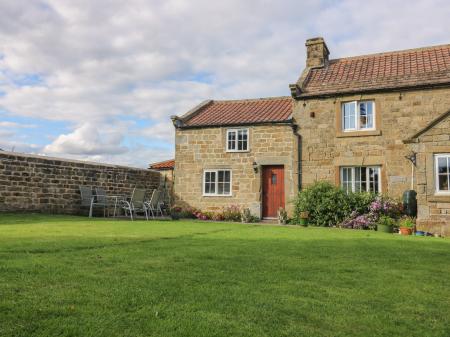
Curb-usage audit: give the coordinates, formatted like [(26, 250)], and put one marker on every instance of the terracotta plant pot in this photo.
[(405, 231)]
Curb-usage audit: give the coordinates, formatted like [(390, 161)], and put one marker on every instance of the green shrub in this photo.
[(321, 201), (360, 202), (329, 205)]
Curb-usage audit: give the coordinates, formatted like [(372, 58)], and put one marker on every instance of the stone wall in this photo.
[(204, 148), (433, 209), (399, 116), (44, 184), (325, 148)]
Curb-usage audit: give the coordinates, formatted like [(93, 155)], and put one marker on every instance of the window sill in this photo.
[(217, 195), (342, 134), (237, 151)]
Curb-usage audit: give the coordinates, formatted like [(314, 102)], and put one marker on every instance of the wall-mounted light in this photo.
[(412, 157), (255, 167)]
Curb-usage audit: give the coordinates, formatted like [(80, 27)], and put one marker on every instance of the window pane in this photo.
[(231, 140), (240, 145), (366, 115), (226, 188), (362, 115), (347, 187), (349, 115), (210, 182), (347, 179), (443, 173), (357, 179), (223, 182), (227, 176), (369, 107), (444, 182), (374, 173), (442, 165), (242, 140), (227, 182)]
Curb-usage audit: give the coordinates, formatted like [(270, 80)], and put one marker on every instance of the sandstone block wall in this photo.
[(204, 148), (433, 209), (399, 116), (43, 184)]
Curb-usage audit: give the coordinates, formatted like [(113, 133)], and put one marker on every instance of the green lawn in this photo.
[(70, 276)]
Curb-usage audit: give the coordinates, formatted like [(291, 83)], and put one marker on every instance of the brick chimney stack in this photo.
[(316, 52)]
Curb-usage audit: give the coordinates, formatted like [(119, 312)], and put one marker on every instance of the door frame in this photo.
[(283, 166)]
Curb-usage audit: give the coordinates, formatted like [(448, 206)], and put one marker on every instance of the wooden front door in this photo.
[(273, 190)]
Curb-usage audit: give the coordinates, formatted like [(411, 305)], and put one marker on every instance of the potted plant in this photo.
[(385, 224), (304, 216), (406, 226), (282, 216)]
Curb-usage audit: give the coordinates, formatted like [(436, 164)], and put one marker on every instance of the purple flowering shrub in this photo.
[(357, 221), (232, 213), (386, 206), (381, 206)]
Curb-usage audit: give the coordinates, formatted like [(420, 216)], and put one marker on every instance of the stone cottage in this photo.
[(377, 122)]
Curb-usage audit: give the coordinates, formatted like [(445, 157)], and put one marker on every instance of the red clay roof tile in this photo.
[(430, 65), (163, 165), (233, 112)]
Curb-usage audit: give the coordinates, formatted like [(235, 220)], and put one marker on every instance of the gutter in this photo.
[(285, 122)]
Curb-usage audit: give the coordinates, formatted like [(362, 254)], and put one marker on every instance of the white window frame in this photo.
[(353, 180), (357, 116), (236, 130), (436, 173), (216, 189)]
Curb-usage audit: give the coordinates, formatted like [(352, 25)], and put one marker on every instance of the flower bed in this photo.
[(231, 213)]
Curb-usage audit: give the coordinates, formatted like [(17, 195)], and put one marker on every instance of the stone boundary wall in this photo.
[(51, 185)]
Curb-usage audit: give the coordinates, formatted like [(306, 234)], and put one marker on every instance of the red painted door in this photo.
[(273, 190)]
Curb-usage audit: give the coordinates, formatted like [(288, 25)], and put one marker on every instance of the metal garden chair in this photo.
[(103, 198), (89, 200), (154, 205), (136, 203)]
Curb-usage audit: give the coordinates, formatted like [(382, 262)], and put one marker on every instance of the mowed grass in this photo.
[(71, 276)]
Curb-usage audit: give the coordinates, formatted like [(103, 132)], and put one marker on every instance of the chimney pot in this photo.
[(316, 52)]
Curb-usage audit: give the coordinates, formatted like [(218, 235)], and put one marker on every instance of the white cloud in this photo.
[(163, 131), (88, 139), (6, 124), (100, 62)]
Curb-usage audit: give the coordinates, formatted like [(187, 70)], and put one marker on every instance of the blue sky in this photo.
[(98, 80)]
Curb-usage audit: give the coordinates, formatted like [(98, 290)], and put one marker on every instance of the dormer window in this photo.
[(237, 140), (358, 116)]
